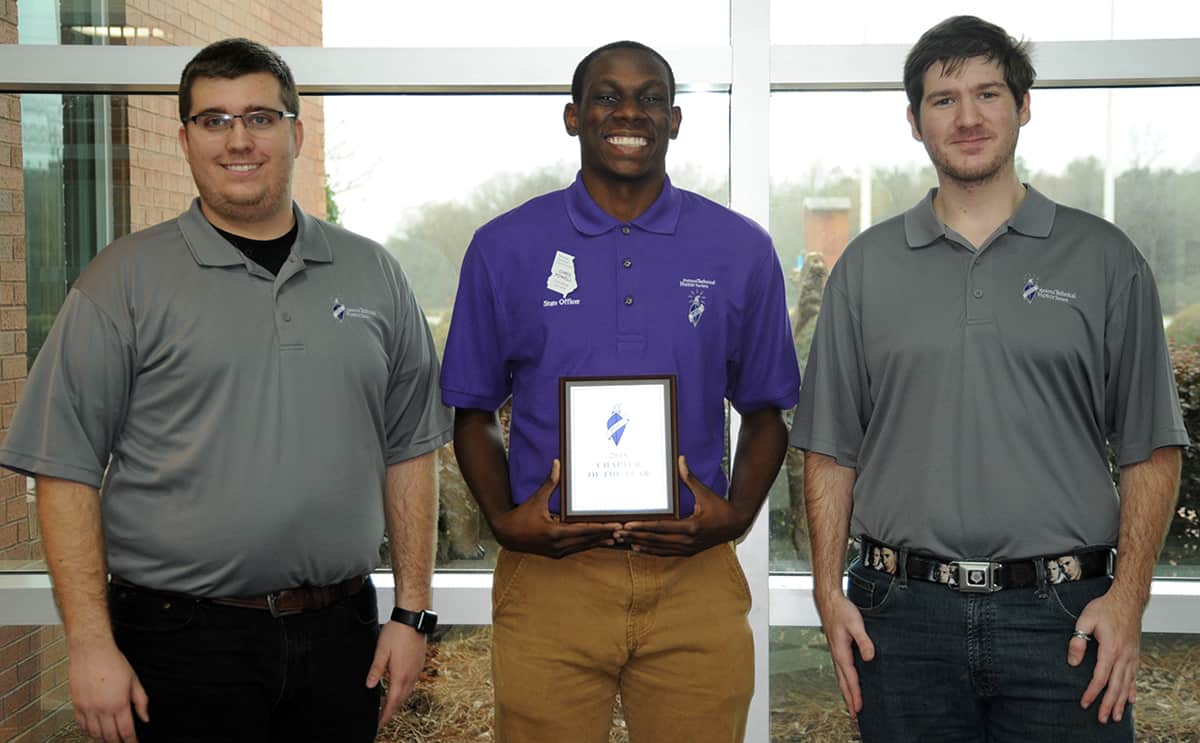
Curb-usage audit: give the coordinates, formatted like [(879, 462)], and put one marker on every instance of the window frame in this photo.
[(749, 69)]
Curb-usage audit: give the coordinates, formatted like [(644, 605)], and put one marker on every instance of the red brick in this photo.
[(18, 698), (15, 652), (8, 681), (13, 633), (13, 367), (9, 536)]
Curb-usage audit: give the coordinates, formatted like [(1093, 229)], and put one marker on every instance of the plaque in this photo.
[(618, 445)]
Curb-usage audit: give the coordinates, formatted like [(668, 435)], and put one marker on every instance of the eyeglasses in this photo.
[(254, 121)]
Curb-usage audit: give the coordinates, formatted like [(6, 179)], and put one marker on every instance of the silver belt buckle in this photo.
[(977, 577)]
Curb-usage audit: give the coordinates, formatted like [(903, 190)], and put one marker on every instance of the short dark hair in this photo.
[(233, 58), (582, 68), (957, 39)]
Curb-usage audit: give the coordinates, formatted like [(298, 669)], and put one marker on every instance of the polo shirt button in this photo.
[(629, 300), (625, 230), (978, 293), (626, 263), (287, 317)]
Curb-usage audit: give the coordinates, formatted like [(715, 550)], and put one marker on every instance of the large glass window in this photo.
[(884, 22), (1137, 168)]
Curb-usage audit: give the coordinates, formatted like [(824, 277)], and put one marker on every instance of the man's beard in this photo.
[(974, 175)]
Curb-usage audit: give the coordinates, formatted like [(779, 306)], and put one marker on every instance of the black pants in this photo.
[(219, 673)]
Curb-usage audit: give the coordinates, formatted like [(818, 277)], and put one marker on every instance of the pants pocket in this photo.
[(504, 577), (870, 590)]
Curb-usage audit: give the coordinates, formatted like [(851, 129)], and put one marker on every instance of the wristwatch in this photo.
[(424, 622)]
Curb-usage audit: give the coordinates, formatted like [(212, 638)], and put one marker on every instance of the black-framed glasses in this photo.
[(262, 120)]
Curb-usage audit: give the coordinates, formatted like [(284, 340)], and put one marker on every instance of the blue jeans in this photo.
[(977, 668), (220, 673)]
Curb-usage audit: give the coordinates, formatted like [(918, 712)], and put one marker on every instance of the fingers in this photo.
[(542, 494), (848, 684), (1076, 649), (1116, 696), (141, 700), (378, 667), (396, 694), (1104, 664), (124, 724), (108, 729), (847, 674)]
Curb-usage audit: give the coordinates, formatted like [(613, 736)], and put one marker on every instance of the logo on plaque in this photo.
[(616, 425)]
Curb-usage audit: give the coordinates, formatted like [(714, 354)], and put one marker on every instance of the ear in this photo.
[(298, 134), (1023, 111), (676, 119), (914, 124), (571, 119), (183, 141)]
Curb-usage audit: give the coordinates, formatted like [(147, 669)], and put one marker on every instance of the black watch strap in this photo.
[(424, 622)]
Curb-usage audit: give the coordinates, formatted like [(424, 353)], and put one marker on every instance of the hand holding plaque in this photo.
[(618, 439)]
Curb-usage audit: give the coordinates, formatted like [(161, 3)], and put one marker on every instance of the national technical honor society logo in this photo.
[(339, 310), (1030, 291), (616, 425)]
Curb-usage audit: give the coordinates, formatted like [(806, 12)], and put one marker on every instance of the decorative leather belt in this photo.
[(982, 576), (279, 603)]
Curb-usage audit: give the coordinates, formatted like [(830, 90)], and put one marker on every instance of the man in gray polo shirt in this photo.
[(229, 409), (974, 361)]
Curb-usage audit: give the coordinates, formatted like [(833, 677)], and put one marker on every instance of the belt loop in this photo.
[(902, 567), (1043, 583)]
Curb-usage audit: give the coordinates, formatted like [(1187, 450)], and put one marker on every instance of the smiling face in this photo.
[(244, 178), (624, 118), (969, 122)]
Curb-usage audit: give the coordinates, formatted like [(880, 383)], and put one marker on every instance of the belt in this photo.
[(983, 576), (279, 603)]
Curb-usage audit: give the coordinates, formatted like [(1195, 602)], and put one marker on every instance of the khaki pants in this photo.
[(669, 633)]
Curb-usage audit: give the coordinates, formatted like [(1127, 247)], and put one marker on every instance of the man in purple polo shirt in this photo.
[(645, 279)]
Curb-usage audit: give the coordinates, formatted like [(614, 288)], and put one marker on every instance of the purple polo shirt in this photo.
[(688, 288)]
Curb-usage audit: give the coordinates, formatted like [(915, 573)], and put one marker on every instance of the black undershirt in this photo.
[(270, 254)]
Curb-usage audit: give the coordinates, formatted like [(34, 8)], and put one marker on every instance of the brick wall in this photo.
[(34, 693), (160, 184), (33, 669)]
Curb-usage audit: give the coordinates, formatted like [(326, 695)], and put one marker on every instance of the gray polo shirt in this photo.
[(975, 392), (248, 418)]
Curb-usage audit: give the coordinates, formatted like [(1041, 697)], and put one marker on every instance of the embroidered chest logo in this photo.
[(341, 311), (695, 307), (1030, 291), (562, 274), (1033, 291), (697, 301), (616, 425)]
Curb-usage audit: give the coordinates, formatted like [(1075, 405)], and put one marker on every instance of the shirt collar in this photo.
[(1034, 217), (662, 217), (210, 249)]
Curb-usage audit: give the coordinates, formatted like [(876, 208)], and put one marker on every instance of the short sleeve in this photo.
[(416, 421), (1141, 403), (475, 373), (764, 372), (834, 407), (75, 399)]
